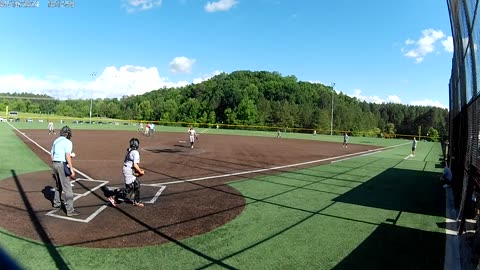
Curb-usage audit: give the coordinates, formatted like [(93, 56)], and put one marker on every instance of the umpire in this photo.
[(61, 150)]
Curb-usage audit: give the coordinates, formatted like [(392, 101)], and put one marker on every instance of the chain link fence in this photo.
[(463, 154)]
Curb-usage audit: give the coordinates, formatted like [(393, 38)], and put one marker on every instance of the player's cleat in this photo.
[(139, 204), (73, 213), (112, 201)]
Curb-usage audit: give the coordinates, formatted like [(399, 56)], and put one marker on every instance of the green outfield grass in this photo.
[(378, 211)]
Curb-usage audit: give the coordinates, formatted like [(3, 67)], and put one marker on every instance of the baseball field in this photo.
[(238, 200)]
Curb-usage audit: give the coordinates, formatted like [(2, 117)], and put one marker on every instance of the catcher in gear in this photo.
[(131, 173)]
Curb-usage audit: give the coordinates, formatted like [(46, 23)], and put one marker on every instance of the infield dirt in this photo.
[(183, 209)]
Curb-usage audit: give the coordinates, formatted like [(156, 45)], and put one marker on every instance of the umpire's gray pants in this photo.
[(63, 184)]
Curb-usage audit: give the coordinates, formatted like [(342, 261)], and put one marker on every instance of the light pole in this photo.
[(331, 121), (93, 74)]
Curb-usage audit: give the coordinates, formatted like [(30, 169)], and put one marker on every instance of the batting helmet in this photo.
[(66, 132), (134, 143)]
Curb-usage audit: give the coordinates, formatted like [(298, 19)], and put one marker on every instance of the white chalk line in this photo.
[(451, 254), (155, 197), (259, 170), (79, 195), (46, 151), (280, 167), (367, 154)]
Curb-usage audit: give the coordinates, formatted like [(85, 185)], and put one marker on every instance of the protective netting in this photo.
[(463, 153)]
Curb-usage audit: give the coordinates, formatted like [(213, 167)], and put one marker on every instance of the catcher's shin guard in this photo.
[(136, 190)]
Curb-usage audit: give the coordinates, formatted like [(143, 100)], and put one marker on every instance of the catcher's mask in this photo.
[(134, 143), (66, 132)]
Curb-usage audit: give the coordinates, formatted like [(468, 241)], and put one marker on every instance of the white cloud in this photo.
[(425, 45), (409, 42), (448, 44), (465, 44), (140, 5), (112, 82), (372, 99), (206, 77), (220, 5), (181, 65), (395, 99), (428, 102)]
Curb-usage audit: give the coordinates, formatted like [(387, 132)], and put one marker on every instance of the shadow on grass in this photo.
[(56, 257), (394, 247), (401, 190), (391, 246)]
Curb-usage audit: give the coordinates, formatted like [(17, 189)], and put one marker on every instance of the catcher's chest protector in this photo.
[(128, 157)]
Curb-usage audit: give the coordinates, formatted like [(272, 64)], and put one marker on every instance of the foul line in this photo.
[(280, 167), (79, 195), (46, 151), (163, 185)]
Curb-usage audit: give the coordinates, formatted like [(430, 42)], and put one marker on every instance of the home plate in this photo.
[(182, 141)]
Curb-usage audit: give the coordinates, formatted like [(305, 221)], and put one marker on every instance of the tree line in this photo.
[(254, 98)]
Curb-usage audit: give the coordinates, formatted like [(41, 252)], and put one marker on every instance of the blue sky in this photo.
[(376, 50)]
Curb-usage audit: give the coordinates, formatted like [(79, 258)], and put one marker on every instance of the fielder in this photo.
[(51, 129), (192, 136), (147, 129), (131, 172), (414, 146), (152, 129), (345, 140)]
